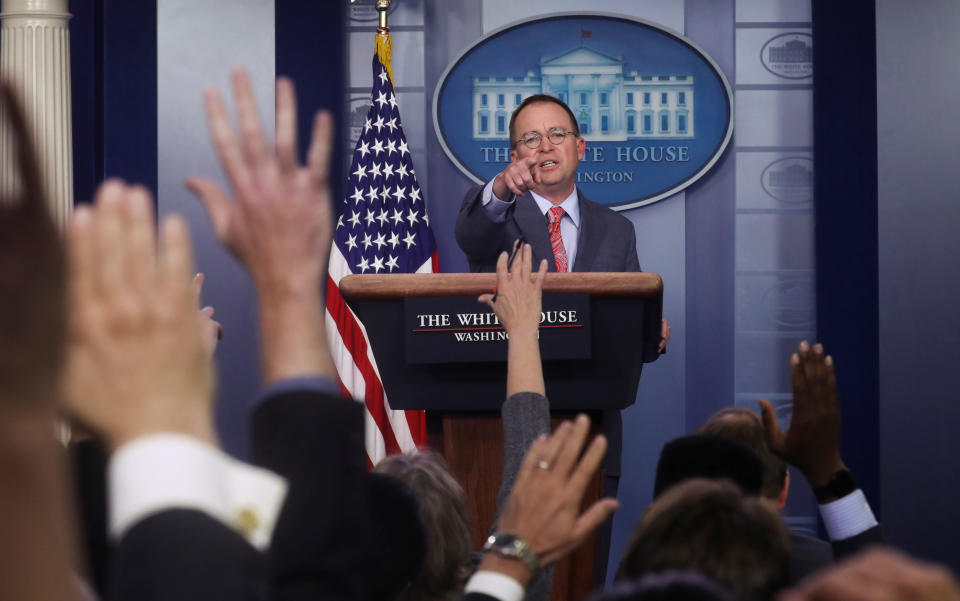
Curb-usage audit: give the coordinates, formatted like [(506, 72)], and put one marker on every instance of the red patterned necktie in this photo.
[(554, 215)]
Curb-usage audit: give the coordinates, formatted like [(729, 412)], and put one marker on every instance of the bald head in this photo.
[(746, 427)]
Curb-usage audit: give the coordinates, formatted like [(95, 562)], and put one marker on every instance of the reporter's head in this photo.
[(446, 521), (746, 427), (709, 526)]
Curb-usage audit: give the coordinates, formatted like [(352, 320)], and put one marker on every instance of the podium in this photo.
[(462, 395)]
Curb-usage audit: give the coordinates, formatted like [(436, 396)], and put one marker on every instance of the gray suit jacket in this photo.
[(607, 240), (807, 555), (525, 416)]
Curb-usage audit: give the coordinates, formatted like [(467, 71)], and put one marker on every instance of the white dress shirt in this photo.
[(496, 210), (173, 471)]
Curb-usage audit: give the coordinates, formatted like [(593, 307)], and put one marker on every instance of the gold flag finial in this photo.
[(384, 44), (382, 7)]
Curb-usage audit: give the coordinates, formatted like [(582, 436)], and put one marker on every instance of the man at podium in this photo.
[(535, 200)]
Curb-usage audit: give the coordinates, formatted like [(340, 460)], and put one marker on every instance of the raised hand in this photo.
[(517, 306), (278, 223), (812, 443), (136, 360), (35, 526), (519, 293), (32, 277), (544, 507), (519, 176)]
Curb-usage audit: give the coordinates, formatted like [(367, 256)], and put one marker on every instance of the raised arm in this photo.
[(812, 444), (525, 413), (543, 511), (517, 305), (140, 376), (278, 223), (38, 541)]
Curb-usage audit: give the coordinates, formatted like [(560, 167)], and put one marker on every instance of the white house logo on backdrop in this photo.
[(610, 105), (654, 109), (357, 108), (789, 55), (789, 179), (791, 304)]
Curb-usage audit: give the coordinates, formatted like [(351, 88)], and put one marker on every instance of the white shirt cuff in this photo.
[(495, 585), (495, 208), (174, 471), (848, 516)]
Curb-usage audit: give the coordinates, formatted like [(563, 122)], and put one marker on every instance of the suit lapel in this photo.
[(589, 241), (534, 226)]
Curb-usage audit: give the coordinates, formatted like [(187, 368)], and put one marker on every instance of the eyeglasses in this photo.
[(556, 135)]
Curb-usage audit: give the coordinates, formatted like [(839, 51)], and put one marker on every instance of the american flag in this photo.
[(382, 228)]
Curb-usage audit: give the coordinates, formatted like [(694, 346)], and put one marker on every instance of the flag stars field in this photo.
[(384, 192)]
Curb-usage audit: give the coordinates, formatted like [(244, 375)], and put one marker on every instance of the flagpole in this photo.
[(384, 42), (382, 7), (388, 232)]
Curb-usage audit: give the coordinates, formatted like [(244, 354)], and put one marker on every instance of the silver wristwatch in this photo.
[(512, 546)]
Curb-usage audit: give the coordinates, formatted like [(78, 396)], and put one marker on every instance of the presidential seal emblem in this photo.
[(654, 108)]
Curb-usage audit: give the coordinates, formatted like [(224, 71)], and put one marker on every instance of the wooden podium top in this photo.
[(400, 285)]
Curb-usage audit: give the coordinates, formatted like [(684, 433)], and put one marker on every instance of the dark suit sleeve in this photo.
[(479, 237), (315, 441), (807, 555), (608, 240), (185, 555), (525, 416), (632, 261), (855, 544)]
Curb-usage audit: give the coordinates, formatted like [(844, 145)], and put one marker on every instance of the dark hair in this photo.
[(714, 457), (399, 545), (746, 427), (666, 586), (540, 99), (708, 526), (445, 519)]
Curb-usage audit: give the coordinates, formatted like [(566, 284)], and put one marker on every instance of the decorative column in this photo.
[(595, 114), (35, 58), (616, 104)]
